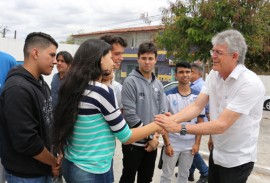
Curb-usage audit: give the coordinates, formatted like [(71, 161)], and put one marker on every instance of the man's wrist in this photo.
[(150, 137), (54, 162), (183, 130)]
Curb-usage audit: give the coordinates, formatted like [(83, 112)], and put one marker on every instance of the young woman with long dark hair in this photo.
[(87, 119)]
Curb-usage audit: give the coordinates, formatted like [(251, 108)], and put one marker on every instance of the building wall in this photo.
[(162, 71), (265, 80), (134, 39), (15, 48)]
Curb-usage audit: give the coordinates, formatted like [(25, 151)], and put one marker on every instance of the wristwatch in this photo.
[(183, 130), (150, 137)]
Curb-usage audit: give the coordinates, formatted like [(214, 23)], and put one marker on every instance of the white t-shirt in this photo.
[(175, 103), (241, 92), (117, 88)]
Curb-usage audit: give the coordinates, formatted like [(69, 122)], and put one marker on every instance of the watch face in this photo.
[(183, 130), (151, 137)]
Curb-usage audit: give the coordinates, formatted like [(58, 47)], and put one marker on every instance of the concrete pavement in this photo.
[(260, 174)]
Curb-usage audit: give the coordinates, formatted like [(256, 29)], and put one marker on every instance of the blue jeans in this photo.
[(74, 174), (13, 179), (111, 173), (199, 163)]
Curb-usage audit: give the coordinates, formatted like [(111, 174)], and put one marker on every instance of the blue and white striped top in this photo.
[(92, 143)]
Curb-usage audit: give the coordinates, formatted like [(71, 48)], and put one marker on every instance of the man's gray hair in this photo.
[(198, 67), (235, 42)]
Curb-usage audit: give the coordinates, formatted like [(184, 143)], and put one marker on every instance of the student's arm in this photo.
[(129, 102), (46, 157), (196, 146), (143, 132), (167, 145)]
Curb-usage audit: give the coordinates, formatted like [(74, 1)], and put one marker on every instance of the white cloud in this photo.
[(61, 18)]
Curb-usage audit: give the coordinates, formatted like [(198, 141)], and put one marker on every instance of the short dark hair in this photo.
[(40, 39), (68, 59), (182, 64), (112, 39), (147, 47)]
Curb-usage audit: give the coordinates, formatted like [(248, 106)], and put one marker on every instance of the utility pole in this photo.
[(4, 32), (15, 34), (145, 18)]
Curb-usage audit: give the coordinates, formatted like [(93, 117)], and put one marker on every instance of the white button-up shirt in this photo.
[(241, 92)]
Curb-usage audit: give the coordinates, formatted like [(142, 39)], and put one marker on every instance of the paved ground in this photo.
[(260, 174)]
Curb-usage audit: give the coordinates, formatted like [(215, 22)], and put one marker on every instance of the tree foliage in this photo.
[(69, 40), (190, 25)]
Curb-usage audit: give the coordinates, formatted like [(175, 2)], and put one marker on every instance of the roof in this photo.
[(123, 30)]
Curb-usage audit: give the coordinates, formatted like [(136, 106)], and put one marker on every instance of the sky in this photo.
[(62, 18)]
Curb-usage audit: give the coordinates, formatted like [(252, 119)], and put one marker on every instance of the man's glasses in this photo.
[(218, 52)]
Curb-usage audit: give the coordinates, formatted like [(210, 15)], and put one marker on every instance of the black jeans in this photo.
[(219, 174), (136, 159)]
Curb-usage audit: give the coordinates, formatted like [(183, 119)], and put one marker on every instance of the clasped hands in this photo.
[(56, 170), (152, 144), (167, 122)]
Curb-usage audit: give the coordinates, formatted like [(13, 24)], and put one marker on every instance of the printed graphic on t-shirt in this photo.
[(47, 112)]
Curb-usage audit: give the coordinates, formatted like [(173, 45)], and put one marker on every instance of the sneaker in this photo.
[(191, 177), (203, 179)]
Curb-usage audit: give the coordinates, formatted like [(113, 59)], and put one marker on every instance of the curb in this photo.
[(257, 168)]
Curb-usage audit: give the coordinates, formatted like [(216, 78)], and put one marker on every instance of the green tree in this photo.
[(69, 40), (190, 25)]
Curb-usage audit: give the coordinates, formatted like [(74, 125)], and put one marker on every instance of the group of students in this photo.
[(76, 135)]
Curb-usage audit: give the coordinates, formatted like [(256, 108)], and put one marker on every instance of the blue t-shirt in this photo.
[(6, 63), (55, 85)]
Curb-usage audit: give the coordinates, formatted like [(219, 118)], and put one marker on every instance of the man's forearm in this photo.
[(46, 157), (193, 110)]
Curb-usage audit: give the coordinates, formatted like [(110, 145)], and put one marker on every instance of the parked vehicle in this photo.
[(266, 104), (170, 86)]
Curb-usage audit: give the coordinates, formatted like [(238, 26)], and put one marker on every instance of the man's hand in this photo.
[(169, 150), (59, 159), (152, 144), (195, 149), (210, 144), (162, 132), (167, 113), (168, 123), (56, 170)]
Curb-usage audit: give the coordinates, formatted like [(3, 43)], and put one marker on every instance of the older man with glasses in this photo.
[(235, 95)]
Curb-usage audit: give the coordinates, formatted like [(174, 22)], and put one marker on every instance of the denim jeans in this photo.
[(199, 163), (13, 179), (111, 173), (2, 173), (74, 174)]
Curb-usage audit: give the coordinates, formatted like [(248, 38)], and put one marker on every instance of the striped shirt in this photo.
[(92, 143)]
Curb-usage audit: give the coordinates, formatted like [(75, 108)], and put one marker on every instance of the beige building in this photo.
[(134, 35)]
